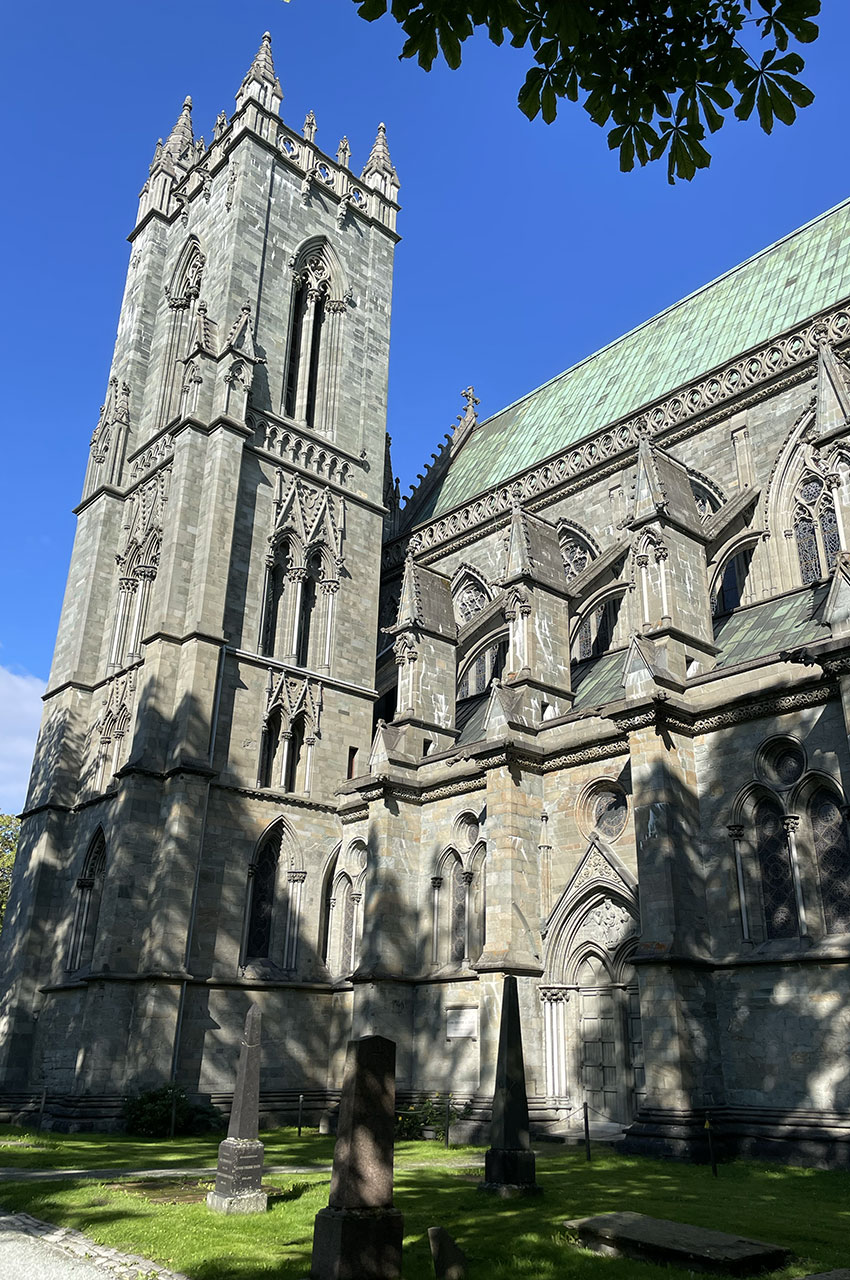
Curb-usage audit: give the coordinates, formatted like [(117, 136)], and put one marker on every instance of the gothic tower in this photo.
[(205, 698)]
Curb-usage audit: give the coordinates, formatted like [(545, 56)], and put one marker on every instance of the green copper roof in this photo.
[(769, 627), (782, 286)]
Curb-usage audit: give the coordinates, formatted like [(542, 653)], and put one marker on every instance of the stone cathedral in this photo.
[(577, 710)]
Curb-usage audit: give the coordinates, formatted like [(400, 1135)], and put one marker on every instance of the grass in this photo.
[(807, 1210)]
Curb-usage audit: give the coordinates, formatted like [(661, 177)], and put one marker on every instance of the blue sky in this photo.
[(523, 248)]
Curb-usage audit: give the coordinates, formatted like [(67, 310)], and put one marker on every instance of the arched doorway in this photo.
[(609, 1041), (592, 1029)]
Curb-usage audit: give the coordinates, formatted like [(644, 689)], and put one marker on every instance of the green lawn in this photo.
[(807, 1210)]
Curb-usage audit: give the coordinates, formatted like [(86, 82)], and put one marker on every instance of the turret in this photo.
[(379, 171), (261, 84), (171, 161)]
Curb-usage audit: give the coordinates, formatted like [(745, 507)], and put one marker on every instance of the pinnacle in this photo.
[(262, 68), (379, 157), (182, 134)]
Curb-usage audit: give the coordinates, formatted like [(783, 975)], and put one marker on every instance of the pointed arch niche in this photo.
[(470, 595), (458, 904), (182, 295), (591, 1004), (271, 923), (318, 303), (806, 506), (342, 916), (88, 893), (303, 567)]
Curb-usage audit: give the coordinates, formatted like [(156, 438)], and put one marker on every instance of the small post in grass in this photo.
[(41, 1107), (300, 1112), (711, 1153), (448, 1115), (586, 1133)]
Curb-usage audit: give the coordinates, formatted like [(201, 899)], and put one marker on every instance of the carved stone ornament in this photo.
[(609, 923), (595, 867)]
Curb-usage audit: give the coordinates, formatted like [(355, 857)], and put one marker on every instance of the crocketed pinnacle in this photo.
[(379, 161), (262, 69), (182, 135)]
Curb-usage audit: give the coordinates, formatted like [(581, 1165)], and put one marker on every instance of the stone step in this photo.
[(634, 1235)]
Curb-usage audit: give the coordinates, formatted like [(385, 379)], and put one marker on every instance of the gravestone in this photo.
[(449, 1260), (359, 1235), (239, 1174), (509, 1165), (678, 1244)]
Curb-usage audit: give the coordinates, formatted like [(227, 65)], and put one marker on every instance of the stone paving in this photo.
[(29, 1247)]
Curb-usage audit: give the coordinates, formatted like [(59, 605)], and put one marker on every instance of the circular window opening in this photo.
[(467, 829), (781, 762), (603, 808)]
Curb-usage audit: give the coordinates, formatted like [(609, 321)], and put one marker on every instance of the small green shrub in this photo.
[(149, 1114), (429, 1114)]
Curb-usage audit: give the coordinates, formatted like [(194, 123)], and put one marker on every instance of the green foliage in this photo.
[(660, 72), (9, 830), (149, 1114), (429, 1114)]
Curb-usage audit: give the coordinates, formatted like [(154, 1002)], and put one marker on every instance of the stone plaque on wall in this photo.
[(462, 1023)]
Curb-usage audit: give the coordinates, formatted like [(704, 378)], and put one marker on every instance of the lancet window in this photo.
[(815, 528), (457, 933), (263, 879), (137, 564), (273, 904), (777, 874), (480, 672), (730, 588), (832, 856), (312, 361), (299, 610), (87, 905), (597, 630), (343, 920)]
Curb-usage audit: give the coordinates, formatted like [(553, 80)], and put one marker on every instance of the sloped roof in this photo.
[(787, 622), (780, 287)]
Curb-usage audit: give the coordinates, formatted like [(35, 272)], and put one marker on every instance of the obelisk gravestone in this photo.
[(509, 1163), (359, 1235), (239, 1175)]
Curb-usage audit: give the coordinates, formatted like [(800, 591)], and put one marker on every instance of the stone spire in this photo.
[(181, 141), (261, 83), (379, 171), (172, 159)]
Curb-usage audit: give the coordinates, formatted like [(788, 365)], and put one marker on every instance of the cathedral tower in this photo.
[(205, 698)]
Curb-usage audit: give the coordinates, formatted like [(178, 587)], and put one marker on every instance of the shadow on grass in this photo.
[(806, 1210)]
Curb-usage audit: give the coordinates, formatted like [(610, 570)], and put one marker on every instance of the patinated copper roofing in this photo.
[(796, 278)]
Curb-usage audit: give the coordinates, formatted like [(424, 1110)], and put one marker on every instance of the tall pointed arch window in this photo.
[(815, 528), (457, 921), (777, 876), (273, 905), (832, 855), (730, 588), (263, 882), (312, 360), (483, 669), (294, 770), (597, 631), (89, 890)]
